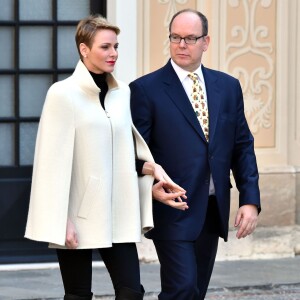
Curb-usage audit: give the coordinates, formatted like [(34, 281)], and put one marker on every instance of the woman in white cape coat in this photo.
[(86, 193)]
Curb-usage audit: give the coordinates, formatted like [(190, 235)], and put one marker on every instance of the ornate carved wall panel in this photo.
[(248, 52)]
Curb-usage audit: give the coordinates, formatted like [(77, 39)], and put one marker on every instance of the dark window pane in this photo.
[(7, 40), (63, 76), (35, 10), (6, 96), (66, 47), (73, 9), (28, 133), (7, 10), (35, 47), (33, 89), (6, 145)]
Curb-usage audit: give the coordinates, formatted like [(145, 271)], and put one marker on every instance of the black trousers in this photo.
[(121, 261)]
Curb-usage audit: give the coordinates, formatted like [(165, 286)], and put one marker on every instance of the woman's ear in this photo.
[(84, 50)]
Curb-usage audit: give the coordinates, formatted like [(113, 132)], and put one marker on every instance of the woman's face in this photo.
[(103, 54)]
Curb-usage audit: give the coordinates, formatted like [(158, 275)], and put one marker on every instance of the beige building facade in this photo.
[(255, 41)]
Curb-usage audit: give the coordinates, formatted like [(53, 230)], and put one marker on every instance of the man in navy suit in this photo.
[(186, 241)]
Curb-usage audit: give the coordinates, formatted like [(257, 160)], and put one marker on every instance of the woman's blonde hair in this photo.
[(88, 27)]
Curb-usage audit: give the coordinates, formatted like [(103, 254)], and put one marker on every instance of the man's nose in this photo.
[(182, 43)]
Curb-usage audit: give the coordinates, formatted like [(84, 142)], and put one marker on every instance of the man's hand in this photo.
[(167, 193), (71, 236), (246, 220)]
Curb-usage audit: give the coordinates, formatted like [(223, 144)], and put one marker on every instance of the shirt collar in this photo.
[(182, 74)]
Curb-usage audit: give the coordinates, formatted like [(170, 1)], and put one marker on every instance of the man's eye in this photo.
[(190, 39)]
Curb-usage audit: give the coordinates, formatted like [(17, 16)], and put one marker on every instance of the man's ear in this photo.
[(207, 40)]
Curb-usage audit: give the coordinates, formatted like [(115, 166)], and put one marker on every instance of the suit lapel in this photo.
[(213, 99), (177, 94)]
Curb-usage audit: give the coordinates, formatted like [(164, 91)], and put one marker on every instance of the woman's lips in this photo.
[(111, 62)]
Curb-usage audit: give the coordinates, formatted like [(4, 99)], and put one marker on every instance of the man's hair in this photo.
[(203, 19), (88, 27)]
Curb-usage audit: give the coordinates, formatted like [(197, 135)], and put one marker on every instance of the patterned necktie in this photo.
[(199, 104)]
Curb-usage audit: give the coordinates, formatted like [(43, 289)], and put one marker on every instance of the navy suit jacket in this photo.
[(163, 114)]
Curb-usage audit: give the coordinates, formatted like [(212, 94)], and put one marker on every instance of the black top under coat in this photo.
[(100, 80)]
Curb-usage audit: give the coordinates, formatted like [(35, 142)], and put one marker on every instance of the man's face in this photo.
[(188, 56)]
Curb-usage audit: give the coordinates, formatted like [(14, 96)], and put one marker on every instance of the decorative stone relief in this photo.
[(250, 57)]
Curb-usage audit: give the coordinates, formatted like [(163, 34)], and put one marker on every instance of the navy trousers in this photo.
[(186, 266)]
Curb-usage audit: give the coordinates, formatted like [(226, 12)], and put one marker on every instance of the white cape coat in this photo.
[(84, 167)]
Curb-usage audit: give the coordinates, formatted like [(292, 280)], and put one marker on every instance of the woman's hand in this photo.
[(71, 236), (166, 190), (159, 193)]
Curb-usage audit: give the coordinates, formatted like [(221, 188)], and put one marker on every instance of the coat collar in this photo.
[(178, 96), (84, 79)]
